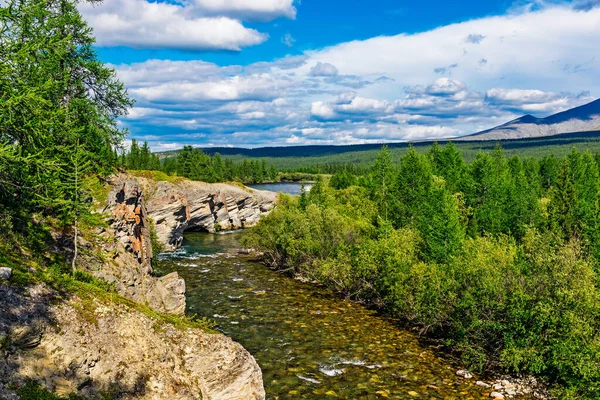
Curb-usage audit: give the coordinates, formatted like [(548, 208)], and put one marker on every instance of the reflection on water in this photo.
[(308, 342), (293, 188)]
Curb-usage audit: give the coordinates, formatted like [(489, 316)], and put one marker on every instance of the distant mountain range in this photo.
[(584, 118), (568, 126)]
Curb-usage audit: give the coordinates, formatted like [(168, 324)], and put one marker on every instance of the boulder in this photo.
[(5, 273)]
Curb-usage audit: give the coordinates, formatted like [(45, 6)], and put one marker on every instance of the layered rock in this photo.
[(197, 206), (96, 349), (130, 265)]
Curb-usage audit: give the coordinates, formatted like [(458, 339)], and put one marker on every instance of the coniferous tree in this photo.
[(55, 96), (383, 177), (563, 198), (439, 222)]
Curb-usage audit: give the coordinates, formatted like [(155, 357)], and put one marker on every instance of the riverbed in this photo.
[(309, 342)]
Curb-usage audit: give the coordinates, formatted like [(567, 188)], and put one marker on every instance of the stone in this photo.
[(463, 373), (88, 349), (496, 395), (482, 384), (198, 206), (5, 273)]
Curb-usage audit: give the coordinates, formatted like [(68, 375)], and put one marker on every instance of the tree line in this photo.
[(194, 164), (498, 257), (58, 109)]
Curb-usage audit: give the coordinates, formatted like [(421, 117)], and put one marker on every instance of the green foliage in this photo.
[(194, 164), (31, 390), (498, 257), (58, 110)]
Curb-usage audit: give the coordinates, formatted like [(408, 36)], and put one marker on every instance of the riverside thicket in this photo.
[(498, 257)]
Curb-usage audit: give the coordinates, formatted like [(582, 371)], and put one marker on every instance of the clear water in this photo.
[(293, 188), (309, 342)]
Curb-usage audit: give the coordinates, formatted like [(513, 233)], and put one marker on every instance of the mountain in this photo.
[(584, 118)]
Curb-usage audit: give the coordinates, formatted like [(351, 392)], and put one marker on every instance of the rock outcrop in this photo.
[(197, 206), (96, 346), (95, 349), (129, 244)]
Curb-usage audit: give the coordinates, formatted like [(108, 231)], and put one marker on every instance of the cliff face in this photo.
[(198, 206), (129, 266)]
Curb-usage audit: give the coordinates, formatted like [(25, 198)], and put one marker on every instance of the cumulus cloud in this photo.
[(321, 110), (377, 90), (534, 100), (139, 24), (247, 10), (324, 69)]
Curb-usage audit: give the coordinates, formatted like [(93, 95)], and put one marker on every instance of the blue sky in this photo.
[(283, 72)]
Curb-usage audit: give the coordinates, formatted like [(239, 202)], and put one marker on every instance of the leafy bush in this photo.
[(499, 257)]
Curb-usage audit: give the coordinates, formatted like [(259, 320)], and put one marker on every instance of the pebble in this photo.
[(482, 384), (496, 395), (464, 374), (5, 273)]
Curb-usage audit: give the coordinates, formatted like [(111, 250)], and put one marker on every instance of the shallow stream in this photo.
[(309, 342)]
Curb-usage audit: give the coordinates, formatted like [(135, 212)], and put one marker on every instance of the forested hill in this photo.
[(320, 151)]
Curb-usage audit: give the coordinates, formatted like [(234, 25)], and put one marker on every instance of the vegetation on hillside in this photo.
[(358, 158), (58, 111), (194, 164), (498, 257)]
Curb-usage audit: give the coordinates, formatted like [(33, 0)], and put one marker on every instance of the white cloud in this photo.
[(321, 110), (247, 10), (306, 99), (323, 69), (533, 47), (533, 100), (229, 89), (139, 24)]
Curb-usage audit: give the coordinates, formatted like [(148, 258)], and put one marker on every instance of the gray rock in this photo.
[(464, 374), (199, 206), (5, 273)]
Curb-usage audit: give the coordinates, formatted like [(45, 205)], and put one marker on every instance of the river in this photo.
[(309, 342), (293, 188)]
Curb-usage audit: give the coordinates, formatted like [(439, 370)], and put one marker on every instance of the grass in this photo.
[(157, 176), (31, 390)]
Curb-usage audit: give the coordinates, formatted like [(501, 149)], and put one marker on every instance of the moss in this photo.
[(31, 390), (240, 185), (97, 188), (4, 341), (157, 176), (157, 247)]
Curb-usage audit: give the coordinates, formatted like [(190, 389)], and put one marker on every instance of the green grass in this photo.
[(33, 391), (157, 176)]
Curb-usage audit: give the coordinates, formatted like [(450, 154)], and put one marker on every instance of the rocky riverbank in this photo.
[(97, 343), (180, 206)]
